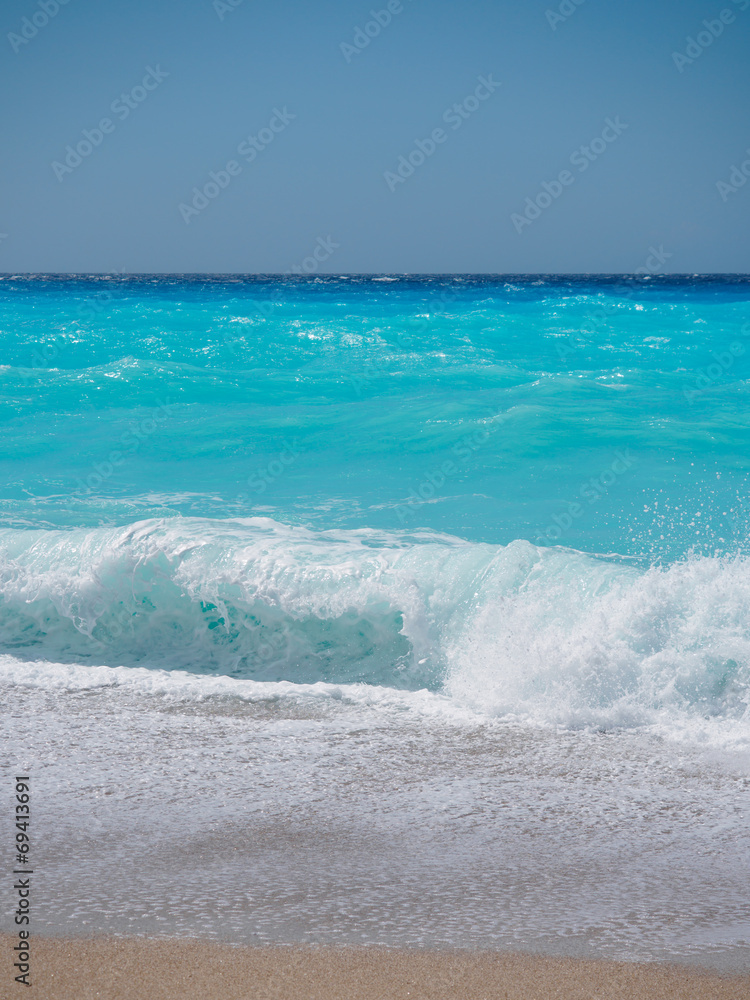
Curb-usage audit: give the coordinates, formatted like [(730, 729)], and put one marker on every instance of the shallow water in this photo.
[(285, 816)]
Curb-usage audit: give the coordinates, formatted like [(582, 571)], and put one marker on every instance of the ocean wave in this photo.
[(517, 632)]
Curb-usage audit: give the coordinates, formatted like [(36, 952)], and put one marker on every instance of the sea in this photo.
[(381, 610)]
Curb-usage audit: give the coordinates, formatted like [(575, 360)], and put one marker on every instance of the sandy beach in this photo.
[(131, 969)]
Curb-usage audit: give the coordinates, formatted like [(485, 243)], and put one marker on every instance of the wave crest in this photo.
[(517, 631)]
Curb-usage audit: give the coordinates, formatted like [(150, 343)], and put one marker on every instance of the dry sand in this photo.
[(131, 969)]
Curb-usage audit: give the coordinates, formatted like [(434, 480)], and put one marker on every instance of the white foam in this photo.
[(181, 687), (548, 636)]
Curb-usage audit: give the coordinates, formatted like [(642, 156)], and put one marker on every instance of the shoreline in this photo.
[(109, 968)]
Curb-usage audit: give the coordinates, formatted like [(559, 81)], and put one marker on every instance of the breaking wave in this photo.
[(517, 632)]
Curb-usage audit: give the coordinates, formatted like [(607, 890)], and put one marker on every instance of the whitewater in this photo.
[(419, 608)]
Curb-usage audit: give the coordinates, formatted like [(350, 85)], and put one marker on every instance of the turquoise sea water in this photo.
[(338, 478), (460, 501), (336, 403)]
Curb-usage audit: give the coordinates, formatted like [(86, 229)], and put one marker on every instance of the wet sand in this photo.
[(132, 969)]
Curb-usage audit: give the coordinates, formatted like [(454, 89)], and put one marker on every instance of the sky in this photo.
[(421, 136)]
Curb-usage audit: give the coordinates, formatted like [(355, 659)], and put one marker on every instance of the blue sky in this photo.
[(324, 122)]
